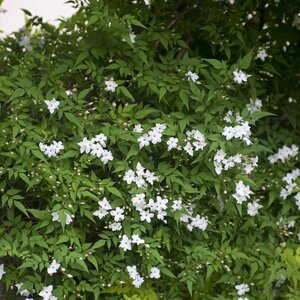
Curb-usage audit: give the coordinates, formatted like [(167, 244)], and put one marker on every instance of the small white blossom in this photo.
[(242, 193), (2, 272), (46, 293), (125, 243), (252, 208), (154, 273), (111, 85), (242, 289), (192, 76), (261, 54), (52, 269), (239, 76), (52, 105), (254, 105)]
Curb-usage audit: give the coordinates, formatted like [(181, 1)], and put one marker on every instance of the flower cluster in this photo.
[(126, 243), (154, 136), (96, 146), (134, 275), (52, 105), (195, 141), (192, 76), (138, 279), (54, 266), (289, 178), (242, 192), (148, 210), (53, 149), (221, 162), (194, 222), (240, 131), (240, 77), (284, 154), (254, 105), (140, 176)]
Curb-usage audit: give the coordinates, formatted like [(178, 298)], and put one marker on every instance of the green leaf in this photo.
[(245, 61), (21, 207), (215, 63), (168, 272), (162, 92), (99, 244), (125, 92), (39, 155), (114, 191), (73, 120), (143, 113), (62, 239), (25, 178)]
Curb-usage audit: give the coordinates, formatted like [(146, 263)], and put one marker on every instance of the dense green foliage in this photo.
[(171, 67)]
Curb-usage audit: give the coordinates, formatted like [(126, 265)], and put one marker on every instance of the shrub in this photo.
[(149, 151)]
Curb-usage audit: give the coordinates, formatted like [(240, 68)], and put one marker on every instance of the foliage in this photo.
[(179, 69)]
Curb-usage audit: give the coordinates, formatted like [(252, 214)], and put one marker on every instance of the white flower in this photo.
[(106, 156), (291, 224), (55, 217), (53, 149), (146, 215), (189, 149), (135, 239), (115, 226), (111, 85), (154, 136), (242, 192), (240, 76), (192, 76), (199, 222), (242, 289), (132, 37), (154, 273), (53, 267), (254, 105), (172, 143), (85, 145), (252, 208), (284, 154), (129, 176), (100, 138), (118, 214), (261, 54), (2, 272), (125, 243), (24, 292), (177, 205), (52, 105), (138, 128), (46, 293), (144, 140), (138, 281)]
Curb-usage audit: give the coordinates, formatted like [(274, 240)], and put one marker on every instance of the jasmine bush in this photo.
[(149, 150)]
